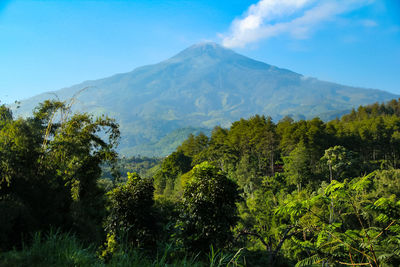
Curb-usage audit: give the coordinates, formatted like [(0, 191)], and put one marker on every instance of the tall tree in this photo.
[(208, 209), (298, 166), (49, 168), (131, 216)]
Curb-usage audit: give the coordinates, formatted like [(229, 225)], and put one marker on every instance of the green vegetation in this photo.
[(208, 209), (257, 194)]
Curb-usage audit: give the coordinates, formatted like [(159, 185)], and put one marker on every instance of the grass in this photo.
[(53, 249), (63, 249)]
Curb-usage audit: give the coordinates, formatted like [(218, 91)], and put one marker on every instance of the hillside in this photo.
[(203, 86)]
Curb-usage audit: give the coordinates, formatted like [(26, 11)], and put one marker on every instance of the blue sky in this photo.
[(47, 45)]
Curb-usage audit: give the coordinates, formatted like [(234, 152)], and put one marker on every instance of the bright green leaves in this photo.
[(334, 189), (364, 224), (364, 183)]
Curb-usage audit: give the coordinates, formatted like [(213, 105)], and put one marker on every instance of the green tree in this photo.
[(77, 149), (340, 161), (171, 168), (49, 168), (219, 151), (194, 145), (208, 209), (366, 229), (298, 166), (131, 216)]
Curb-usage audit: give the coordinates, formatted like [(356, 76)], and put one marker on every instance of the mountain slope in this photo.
[(203, 86)]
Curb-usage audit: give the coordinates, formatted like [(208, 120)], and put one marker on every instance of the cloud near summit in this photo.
[(297, 18)]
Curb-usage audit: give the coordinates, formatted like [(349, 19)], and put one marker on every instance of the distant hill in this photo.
[(203, 86)]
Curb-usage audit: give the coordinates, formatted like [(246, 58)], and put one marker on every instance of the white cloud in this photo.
[(298, 18)]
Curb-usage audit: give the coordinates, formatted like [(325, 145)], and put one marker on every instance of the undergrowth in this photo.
[(63, 249)]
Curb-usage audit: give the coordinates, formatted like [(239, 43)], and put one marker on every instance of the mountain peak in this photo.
[(209, 49), (206, 45)]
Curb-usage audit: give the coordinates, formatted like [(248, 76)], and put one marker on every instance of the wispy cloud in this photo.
[(369, 23), (298, 18)]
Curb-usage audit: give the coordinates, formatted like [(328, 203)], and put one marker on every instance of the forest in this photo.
[(261, 193)]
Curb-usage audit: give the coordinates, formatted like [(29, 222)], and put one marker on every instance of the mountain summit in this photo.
[(206, 49), (203, 86)]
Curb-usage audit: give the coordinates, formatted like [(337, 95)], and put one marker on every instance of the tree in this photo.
[(171, 167), (194, 145), (49, 166), (208, 209), (131, 213), (24, 200), (340, 162), (366, 231), (298, 166), (78, 147)]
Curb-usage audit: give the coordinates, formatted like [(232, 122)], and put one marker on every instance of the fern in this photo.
[(315, 259)]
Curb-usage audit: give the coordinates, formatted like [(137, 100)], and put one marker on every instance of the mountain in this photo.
[(203, 86)]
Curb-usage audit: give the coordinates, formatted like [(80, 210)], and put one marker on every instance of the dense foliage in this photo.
[(259, 193), (49, 168), (290, 174), (131, 215), (208, 209)]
